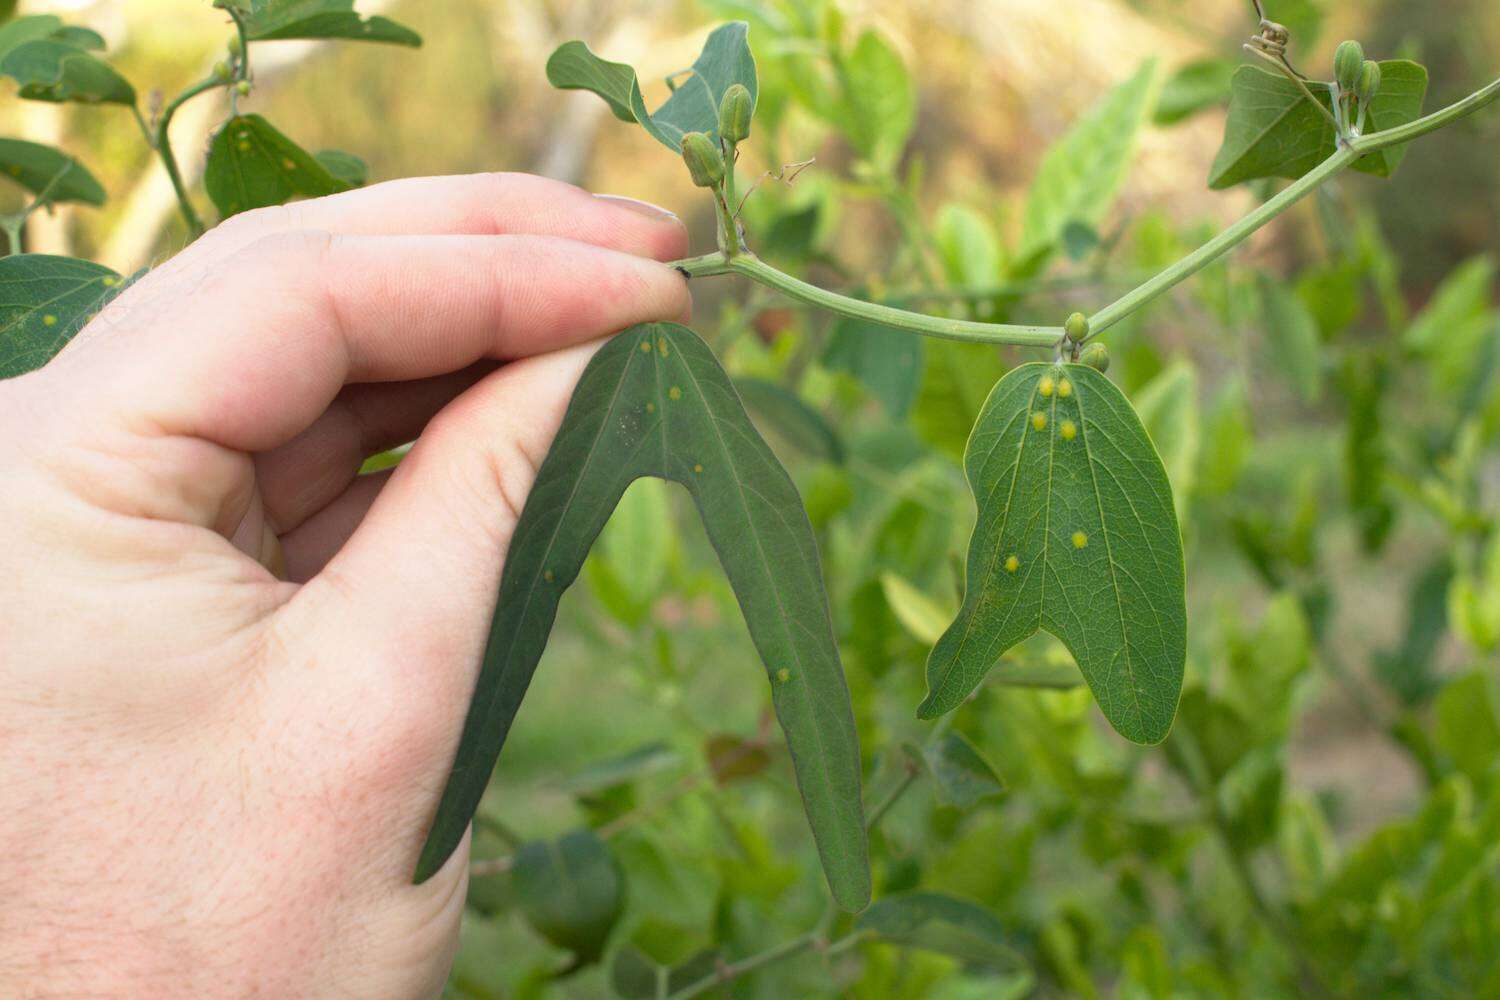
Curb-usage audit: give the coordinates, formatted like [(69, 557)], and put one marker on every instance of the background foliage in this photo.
[(1326, 815)]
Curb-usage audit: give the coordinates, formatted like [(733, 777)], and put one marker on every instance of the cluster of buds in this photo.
[(1357, 80), (705, 157)]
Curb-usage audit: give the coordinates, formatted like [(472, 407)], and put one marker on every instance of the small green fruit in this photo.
[(1369, 82), (1077, 327), (1096, 356), (221, 70), (734, 113), (1347, 62), (236, 48), (704, 161), (242, 88)]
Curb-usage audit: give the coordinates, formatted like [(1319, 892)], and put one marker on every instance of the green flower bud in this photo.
[(242, 88), (703, 159), (1369, 82), (734, 113), (1077, 327), (221, 70), (236, 48), (1096, 356), (1346, 65)]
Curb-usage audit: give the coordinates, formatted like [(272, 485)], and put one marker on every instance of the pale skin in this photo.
[(233, 672)]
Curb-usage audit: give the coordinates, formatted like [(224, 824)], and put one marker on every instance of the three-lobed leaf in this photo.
[(694, 104), (275, 20), (42, 169), (1275, 131), (655, 402), (252, 165), (1077, 536), (44, 302)]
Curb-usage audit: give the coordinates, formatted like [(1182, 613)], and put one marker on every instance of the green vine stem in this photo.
[(750, 266)]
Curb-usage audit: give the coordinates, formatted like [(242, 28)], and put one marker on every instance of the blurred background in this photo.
[(1337, 504)]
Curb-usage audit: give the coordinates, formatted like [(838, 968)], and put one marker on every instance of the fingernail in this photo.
[(653, 212)]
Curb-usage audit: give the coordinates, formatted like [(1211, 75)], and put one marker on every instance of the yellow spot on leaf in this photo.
[(49, 320), (645, 347), (661, 345), (1012, 564), (697, 468), (547, 575), (243, 146), (111, 281), (1069, 430), (650, 407), (1039, 420), (1080, 539), (783, 675), (288, 165), (1065, 388), (674, 393), (1045, 385)]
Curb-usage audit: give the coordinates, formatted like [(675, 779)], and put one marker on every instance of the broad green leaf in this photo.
[(1292, 334), (252, 165), (969, 245), (880, 101), (347, 167), (655, 402), (40, 169), (27, 29), (784, 412), (888, 362), (1193, 88), (1082, 172), (943, 924), (693, 106), (1457, 312), (571, 891), (79, 37), (1274, 131), (925, 618), (1168, 407), (1076, 535), (962, 775), (44, 302), (50, 70), (281, 19), (956, 380)]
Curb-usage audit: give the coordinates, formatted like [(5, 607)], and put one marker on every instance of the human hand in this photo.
[(232, 671)]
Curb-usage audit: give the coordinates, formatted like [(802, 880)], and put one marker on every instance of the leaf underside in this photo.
[(655, 402), (1076, 535), (252, 165), (44, 302), (276, 20), (40, 168), (694, 104), (1274, 131), (48, 69)]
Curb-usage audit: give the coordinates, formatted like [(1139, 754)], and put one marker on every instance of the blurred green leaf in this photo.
[(1082, 172), (944, 924), (634, 976), (956, 380), (969, 246), (962, 776), (653, 758), (880, 102), (252, 165), (1468, 724), (32, 28), (1146, 967), (1250, 798), (571, 891), (7, 9), (655, 402), (51, 70), (1409, 670), (787, 415), (1227, 438), (274, 20), (925, 618), (1292, 333), (40, 169), (1195, 87), (734, 758), (1306, 844), (1168, 407), (693, 106), (345, 167), (1365, 379), (888, 362), (1474, 598), (1274, 131), (1076, 535), (44, 302), (635, 550)]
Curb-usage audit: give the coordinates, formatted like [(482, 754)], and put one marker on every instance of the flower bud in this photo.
[(221, 70), (734, 113), (242, 88), (1346, 65), (1077, 327), (1096, 356), (704, 161), (236, 47), (1369, 82)]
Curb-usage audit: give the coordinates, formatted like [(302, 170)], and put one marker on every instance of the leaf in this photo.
[(791, 418), (275, 20), (944, 924), (956, 380), (733, 758), (632, 548), (1195, 87), (1168, 407), (1076, 535), (634, 976), (1274, 131), (7, 9), (888, 362), (252, 165), (919, 614), (969, 245), (44, 302), (346, 167), (1461, 301), (27, 29), (40, 168), (50, 70), (962, 775), (655, 402), (623, 769), (693, 106), (571, 891), (1296, 345), (880, 103), (1468, 724), (1081, 173)]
